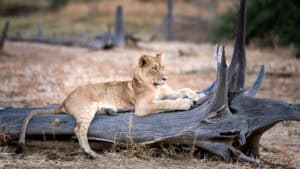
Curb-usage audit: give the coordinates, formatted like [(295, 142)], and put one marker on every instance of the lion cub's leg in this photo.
[(162, 106), (81, 131), (84, 113)]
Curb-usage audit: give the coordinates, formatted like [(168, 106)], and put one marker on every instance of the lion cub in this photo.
[(147, 93)]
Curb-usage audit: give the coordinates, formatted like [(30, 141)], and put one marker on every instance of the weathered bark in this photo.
[(239, 55), (228, 122)]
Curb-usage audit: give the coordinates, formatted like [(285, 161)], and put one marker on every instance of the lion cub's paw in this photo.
[(191, 95), (91, 154), (20, 148), (110, 111), (185, 103), (200, 96)]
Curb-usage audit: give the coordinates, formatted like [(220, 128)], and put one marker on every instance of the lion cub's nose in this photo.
[(164, 78)]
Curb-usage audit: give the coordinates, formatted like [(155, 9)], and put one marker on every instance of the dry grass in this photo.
[(141, 17)]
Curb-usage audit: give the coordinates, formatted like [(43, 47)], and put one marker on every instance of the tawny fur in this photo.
[(147, 93)]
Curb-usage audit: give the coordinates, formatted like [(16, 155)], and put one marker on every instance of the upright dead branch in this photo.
[(166, 23), (120, 27), (39, 31), (237, 81), (158, 29), (258, 82), (3, 35), (169, 24), (219, 101)]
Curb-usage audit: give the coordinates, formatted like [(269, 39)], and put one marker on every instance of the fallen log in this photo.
[(228, 122)]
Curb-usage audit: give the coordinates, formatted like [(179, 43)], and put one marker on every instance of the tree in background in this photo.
[(268, 21), (54, 4)]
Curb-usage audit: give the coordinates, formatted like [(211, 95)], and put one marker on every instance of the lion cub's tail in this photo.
[(28, 117)]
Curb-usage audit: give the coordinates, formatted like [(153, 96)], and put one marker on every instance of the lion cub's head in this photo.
[(150, 71)]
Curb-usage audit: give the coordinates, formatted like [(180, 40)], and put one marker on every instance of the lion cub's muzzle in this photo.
[(162, 82)]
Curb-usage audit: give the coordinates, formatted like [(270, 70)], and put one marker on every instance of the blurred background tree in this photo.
[(269, 22), (54, 4)]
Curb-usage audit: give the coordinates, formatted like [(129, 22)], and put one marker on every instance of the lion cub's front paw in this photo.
[(184, 104), (192, 95)]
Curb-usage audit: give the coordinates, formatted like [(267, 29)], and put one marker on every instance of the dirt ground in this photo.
[(37, 74)]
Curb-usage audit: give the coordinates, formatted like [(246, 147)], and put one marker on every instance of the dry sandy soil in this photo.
[(37, 74)]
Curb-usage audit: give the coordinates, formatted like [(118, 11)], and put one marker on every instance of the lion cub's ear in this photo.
[(160, 57), (144, 60)]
